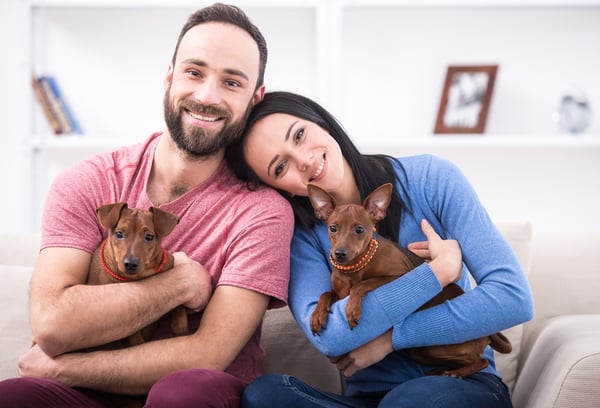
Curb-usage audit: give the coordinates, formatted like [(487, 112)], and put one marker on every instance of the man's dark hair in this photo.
[(228, 14)]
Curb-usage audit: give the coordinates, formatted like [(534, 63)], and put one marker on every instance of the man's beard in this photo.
[(198, 142)]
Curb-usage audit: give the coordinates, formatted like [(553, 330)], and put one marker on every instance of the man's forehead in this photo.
[(222, 44)]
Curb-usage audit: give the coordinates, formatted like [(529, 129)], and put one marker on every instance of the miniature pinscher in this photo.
[(363, 261), (133, 251)]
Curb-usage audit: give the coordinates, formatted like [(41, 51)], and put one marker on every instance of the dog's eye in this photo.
[(359, 230), (333, 228), (119, 234), (149, 237)]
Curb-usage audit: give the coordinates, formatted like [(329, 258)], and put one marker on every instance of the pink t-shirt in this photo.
[(241, 237)]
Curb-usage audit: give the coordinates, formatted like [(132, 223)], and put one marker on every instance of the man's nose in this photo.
[(208, 92)]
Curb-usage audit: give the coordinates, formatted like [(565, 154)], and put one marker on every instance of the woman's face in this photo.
[(288, 153)]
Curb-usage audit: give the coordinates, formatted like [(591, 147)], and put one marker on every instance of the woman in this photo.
[(291, 141)]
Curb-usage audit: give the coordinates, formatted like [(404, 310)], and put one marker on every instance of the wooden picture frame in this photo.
[(466, 99)]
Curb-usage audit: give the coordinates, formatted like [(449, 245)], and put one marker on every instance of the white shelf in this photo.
[(377, 65)]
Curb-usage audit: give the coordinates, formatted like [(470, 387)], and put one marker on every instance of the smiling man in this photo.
[(231, 247)]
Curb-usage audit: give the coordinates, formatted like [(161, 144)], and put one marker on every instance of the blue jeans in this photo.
[(478, 390)]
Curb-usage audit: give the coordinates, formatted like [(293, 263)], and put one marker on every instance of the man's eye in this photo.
[(233, 83), (280, 168)]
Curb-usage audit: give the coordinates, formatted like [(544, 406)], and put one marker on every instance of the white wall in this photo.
[(385, 82)]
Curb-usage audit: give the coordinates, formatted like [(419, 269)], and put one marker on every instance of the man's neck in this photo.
[(174, 172)]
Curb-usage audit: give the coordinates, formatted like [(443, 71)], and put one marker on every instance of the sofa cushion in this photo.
[(519, 236), (15, 335), (288, 351)]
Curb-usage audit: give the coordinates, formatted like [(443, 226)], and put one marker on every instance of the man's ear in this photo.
[(259, 94), (168, 78)]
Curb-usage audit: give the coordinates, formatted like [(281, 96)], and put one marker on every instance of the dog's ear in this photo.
[(322, 202), (164, 221), (378, 201), (109, 214)]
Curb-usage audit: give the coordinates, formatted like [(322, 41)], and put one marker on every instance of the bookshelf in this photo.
[(378, 65)]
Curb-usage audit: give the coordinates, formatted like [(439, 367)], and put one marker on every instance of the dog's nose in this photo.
[(131, 265), (341, 254)]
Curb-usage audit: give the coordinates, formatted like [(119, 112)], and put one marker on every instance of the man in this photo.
[(235, 246)]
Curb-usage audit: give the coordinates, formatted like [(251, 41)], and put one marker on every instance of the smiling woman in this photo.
[(291, 143)]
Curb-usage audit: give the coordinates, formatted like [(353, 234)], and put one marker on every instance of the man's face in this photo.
[(211, 89)]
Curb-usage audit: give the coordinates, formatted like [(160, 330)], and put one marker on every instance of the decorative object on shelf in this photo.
[(574, 113), (466, 99), (56, 110)]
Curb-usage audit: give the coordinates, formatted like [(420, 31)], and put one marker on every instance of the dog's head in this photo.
[(134, 237), (350, 226)]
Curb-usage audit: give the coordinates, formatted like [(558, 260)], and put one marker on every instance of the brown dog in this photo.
[(133, 251), (362, 262)]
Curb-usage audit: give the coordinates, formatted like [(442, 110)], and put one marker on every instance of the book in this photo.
[(54, 103), (72, 123), (45, 104)]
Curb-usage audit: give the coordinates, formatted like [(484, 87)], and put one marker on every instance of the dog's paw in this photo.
[(353, 312), (318, 320)]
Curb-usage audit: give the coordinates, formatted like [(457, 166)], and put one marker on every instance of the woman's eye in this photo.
[(299, 134), (280, 168)]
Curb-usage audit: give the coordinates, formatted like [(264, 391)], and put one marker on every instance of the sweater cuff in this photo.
[(406, 294)]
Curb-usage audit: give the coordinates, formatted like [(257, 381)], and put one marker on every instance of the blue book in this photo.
[(74, 124)]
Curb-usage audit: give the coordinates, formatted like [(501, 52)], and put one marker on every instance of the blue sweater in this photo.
[(437, 191)]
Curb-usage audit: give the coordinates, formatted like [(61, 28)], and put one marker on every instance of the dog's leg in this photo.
[(357, 293), (318, 319), (179, 321)]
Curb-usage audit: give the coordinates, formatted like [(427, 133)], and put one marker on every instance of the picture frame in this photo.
[(466, 98)]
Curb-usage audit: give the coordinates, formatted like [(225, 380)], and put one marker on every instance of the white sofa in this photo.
[(556, 357)]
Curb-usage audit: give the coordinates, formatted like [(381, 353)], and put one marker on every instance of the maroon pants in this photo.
[(188, 388)]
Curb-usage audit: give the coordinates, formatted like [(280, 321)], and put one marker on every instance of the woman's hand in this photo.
[(364, 356), (443, 255)]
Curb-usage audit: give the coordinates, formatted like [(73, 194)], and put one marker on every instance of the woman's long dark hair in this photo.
[(370, 171)]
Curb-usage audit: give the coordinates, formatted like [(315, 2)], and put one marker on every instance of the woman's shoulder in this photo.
[(423, 164)]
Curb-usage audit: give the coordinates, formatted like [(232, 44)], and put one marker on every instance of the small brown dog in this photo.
[(133, 251), (362, 262)]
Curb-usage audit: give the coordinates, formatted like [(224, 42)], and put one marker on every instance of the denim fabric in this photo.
[(479, 390)]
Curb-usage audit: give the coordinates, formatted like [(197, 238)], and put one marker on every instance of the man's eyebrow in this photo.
[(201, 63), (287, 137)]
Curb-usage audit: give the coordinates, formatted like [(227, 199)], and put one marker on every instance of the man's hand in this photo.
[(365, 355), (36, 363), (200, 285)]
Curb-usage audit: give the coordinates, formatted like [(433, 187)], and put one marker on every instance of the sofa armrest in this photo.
[(562, 370)]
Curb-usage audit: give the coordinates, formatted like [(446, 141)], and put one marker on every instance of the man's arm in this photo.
[(231, 317), (66, 314)]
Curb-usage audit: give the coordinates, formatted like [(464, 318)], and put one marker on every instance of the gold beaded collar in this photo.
[(361, 263)]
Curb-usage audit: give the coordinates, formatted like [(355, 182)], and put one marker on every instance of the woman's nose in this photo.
[(305, 161)]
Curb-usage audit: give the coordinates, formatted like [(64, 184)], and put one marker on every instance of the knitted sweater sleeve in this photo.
[(502, 297)]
